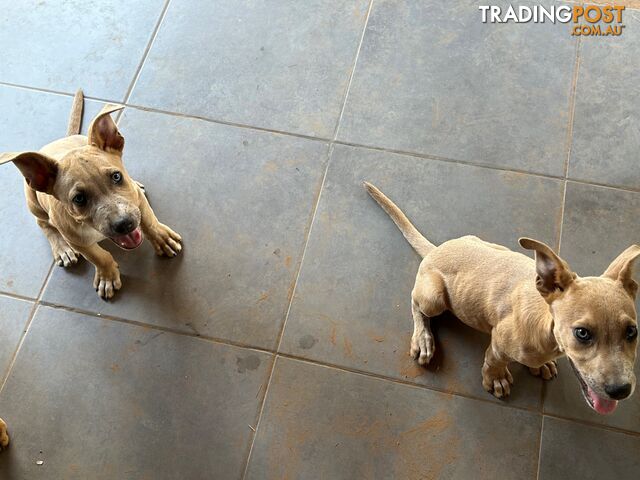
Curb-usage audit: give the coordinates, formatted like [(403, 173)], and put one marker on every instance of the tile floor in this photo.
[(276, 346)]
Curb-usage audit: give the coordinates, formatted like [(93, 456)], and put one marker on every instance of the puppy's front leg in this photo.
[(4, 436), (107, 278), (496, 377), (164, 240)]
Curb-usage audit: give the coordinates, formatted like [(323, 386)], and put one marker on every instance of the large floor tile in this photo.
[(13, 318), (432, 78), (352, 302), (282, 64), (323, 423), (606, 138), (242, 200), (93, 45), (599, 223), (103, 400), (578, 452), (29, 121)]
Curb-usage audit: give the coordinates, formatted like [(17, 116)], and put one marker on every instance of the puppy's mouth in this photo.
[(131, 240), (604, 406)]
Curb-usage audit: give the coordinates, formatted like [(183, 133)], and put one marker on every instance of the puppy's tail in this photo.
[(411, 233), (75, 120)]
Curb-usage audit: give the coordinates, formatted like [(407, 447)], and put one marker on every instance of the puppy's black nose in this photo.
[(618, 392), (123, 226)]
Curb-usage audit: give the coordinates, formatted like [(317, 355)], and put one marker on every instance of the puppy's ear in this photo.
[(39, 170), (103, 132), (621, 269), (553, 273)]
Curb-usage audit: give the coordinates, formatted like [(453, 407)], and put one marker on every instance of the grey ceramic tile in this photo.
[(352, 302), (102, 400), (324, 423), (13, 318), (573, 451), (283, 65), (432, 78), (241, 199), (605, 131), (29, 121), (63, 46), (599, 223)]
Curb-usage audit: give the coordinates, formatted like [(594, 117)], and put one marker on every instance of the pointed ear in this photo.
[(622, 269), (39, 170), (103, 132), (553, 273)]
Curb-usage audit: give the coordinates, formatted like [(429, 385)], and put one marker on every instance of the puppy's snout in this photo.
[(123, 225), (618, 392)]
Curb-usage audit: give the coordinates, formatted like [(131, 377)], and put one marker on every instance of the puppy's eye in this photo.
[(80, 199), (582, 334), (116, 177), (632, 332)]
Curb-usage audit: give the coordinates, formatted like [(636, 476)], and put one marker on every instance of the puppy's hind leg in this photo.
[(427, 301), (63, 254)]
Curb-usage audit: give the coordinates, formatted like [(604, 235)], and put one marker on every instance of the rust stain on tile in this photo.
[(348, 348), (434, 435), (334, 333), (287, 261), (412, 370), (263, 297)]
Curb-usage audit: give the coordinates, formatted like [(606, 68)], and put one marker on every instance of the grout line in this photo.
[(353, 71), (175, 331), (145, 55), (560, 228), (540, 447), (190, 116), (569, 140), (489, 400), (17, 296), (304, 250), (27, 326), (405, 153), (54, 92), (306, 243), (587, 423), (284, 323), (263, 402), (319, 363)]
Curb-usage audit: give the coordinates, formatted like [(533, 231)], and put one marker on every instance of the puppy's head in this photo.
[(594, 322), (90, 182)]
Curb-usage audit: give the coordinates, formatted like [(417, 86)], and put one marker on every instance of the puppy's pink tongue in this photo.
[(601, 405), (130, 240)]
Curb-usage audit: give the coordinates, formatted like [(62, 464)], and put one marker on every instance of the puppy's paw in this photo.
[(165, 241), (422, 347), (107, 281), (497, 380), (4, 436), (547, 371), (64, 255)]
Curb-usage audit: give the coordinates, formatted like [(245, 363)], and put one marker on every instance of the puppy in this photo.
[(80, 193), (535, 311)]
